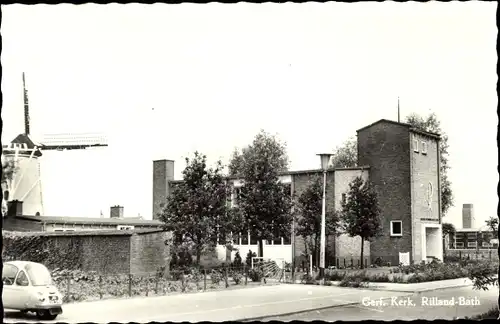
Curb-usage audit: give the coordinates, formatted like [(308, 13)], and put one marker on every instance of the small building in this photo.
[(15, 220), (473, 238)]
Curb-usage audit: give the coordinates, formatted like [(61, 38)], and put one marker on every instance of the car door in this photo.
[(9, 274), (20, 290)]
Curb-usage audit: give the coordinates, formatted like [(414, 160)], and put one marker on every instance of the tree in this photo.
[(264, 203), (433, 125), (9, 168), (360, 214), (270, 145), (235, 163), (346, 155), (309, 207), (447, 229), (197, 206), (492, 224)]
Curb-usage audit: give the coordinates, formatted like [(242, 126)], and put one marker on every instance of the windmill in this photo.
[(24, 151)]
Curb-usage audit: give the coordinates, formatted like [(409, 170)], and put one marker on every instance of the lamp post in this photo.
[(325, 160)]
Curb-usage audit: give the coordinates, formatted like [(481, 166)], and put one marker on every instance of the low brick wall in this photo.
[(107, 252)]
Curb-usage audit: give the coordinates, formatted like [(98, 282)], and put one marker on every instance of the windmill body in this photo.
[(26, 185)]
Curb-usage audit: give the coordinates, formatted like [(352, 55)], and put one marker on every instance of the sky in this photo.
[(162, 81)]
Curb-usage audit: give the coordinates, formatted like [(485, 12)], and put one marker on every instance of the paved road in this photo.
[(479, 302), (251, 302)]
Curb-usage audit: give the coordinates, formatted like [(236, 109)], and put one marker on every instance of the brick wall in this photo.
[(163, 173), (148, 252), (385, 147), (12, 223), (104, 253)]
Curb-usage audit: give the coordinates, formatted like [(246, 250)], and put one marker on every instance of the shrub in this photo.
[(335, 275), (307, 279), (353, 282), (216, 277), (249, 257), (237, 263), (482, 274), (255, 275), (378, 262), (379, 277), (39, 247), (237, 277)]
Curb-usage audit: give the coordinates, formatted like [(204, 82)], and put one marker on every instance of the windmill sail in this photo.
[(73, 141), (26, 109)]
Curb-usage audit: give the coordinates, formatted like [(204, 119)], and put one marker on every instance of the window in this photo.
[(486, 244), (22, 279), (472, 244), (124, 227), (236, 196), (39, 274), (424, 147), (396, 228), (244, 238), (415, 145), (253, 240), (222, 238), (9, 272), (459, 245), (344, 198), (287, 240)]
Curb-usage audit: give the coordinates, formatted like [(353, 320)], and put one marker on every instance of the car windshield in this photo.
[(39, 274)]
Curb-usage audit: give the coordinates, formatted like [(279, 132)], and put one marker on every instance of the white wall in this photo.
[(274, 252), (25, 179)]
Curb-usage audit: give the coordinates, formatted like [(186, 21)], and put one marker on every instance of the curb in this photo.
[(258, 318), (249, 319), (378, 288)]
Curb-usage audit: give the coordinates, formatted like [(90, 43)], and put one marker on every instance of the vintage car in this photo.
[(28, 287)]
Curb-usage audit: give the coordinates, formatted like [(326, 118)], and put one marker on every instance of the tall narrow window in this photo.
[(424, 147), (244, 238), (415, 145)]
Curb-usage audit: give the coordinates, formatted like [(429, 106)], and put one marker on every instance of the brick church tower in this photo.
[(404, 169)]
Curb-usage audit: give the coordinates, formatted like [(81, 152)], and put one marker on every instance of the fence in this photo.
[(469, 254), (79, 286)]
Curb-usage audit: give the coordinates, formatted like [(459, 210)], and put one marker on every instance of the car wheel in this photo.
[(44, 314)]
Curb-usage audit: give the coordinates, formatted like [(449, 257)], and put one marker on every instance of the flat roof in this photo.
[(299, 172), (94, 220), (85, 233)]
